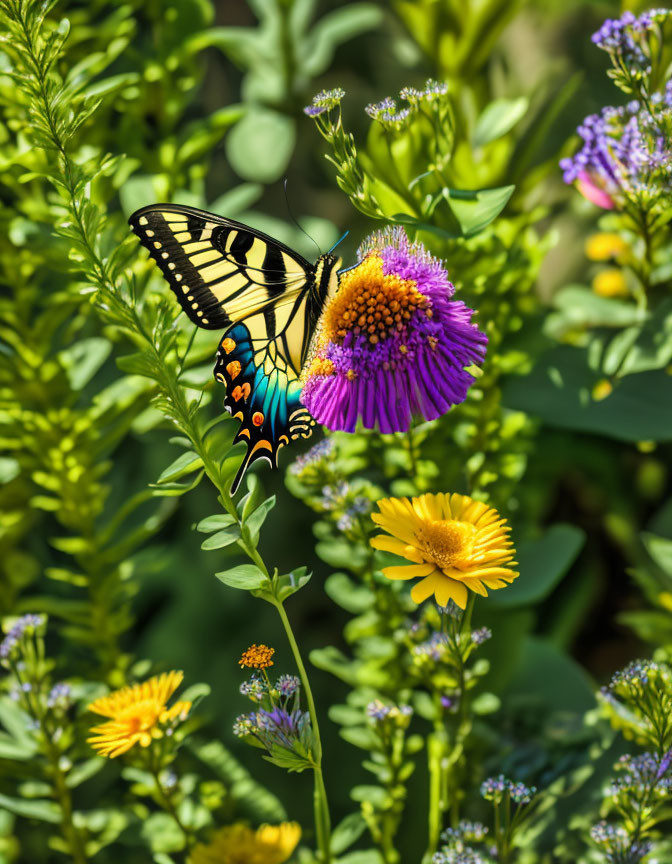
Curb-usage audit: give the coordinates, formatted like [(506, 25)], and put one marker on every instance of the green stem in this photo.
[(321, 804), (167, 803)]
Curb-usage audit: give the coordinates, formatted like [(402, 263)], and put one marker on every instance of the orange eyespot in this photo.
[(257, 418), (233, 368), (228, 345), (247, 389), (237, 393)]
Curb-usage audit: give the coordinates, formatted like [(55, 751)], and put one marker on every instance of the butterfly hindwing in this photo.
[(220, 271), (262, 391)]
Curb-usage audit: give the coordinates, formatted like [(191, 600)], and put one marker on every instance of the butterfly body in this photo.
[(267, 299)]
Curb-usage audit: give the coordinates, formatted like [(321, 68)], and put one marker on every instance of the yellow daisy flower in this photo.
[(238, 844), (136, 714), (455, 543)]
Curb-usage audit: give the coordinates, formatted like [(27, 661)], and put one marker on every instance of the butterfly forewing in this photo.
[(220, 271)]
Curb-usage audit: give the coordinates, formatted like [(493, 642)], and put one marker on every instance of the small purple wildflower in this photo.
[(478, 637), (27, 623), (255, 689), (617, 843), (359, 506), (410, 360), (326, 100), (287, 685), (315, 457), (59, 695), (495, 788)]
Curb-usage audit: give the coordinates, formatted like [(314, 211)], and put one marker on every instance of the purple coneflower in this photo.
[(392, 343)]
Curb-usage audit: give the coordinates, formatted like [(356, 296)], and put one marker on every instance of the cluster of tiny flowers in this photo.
[(380, 712), (472, 832), (478, 637), (287, 685), (623, 154), (255, 689), (59, 696), (452, 610), (465, 855), (433, 648), (495, 788), (387, 111), (27, 623), (617, 844), (638, 675), (257, 657), (275, 728), (620, 37), (359, 506), (456, 849), (314, 458), (324, 101), (643, 774)]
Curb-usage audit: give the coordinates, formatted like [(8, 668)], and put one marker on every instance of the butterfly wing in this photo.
[(227, 275), (262, 391), (220, 271)]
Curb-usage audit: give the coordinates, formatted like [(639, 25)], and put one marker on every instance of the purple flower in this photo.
[(287, 685), (27, 623), (478, 637), (392, 343), (623, 155), (324, 101)]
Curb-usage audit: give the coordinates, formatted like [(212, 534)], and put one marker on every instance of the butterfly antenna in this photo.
[(338, 243), (295, 221)]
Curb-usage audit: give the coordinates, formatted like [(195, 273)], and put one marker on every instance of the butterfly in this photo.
[(264, 296)]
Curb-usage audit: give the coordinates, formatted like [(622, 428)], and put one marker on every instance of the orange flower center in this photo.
[(141, 716), (446, 542), (372, 303)]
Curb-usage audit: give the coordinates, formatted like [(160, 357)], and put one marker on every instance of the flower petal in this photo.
[(425, 588), (449, 589), (408, 571)]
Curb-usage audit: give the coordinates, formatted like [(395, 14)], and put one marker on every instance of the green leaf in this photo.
[(286, 585), (541, 563), (582, 307), (246, 577), (45, 811), (553, 678), (256, 519), (316, 49), (215, 523), (348, 594), (82, 360), (486, 703), (559, 388), (374, 794), (83, 771), (222, 538), (363, 856), (238, 199), (660, 549), (256, 801), (184, 464), (653, 347), (498, 118), (474, 211), (9, 469), (347, 832), (260, 145)]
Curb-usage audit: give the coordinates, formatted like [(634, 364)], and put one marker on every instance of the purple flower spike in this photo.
[(392, 342)]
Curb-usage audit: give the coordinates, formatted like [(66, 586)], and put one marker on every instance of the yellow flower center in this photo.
[(446, 542), (371, 303)]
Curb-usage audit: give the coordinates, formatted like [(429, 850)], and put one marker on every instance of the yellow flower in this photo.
[(137, 714), (238, 844), (257, 657), (602, 389), (610, 283), (454, 542), (605, 245)]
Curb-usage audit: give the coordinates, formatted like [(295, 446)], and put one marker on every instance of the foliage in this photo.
[(413, 723)]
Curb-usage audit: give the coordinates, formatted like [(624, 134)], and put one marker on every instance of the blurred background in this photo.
[(599, 474)]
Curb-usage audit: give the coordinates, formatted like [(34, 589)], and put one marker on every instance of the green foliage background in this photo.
[(201, 103)]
